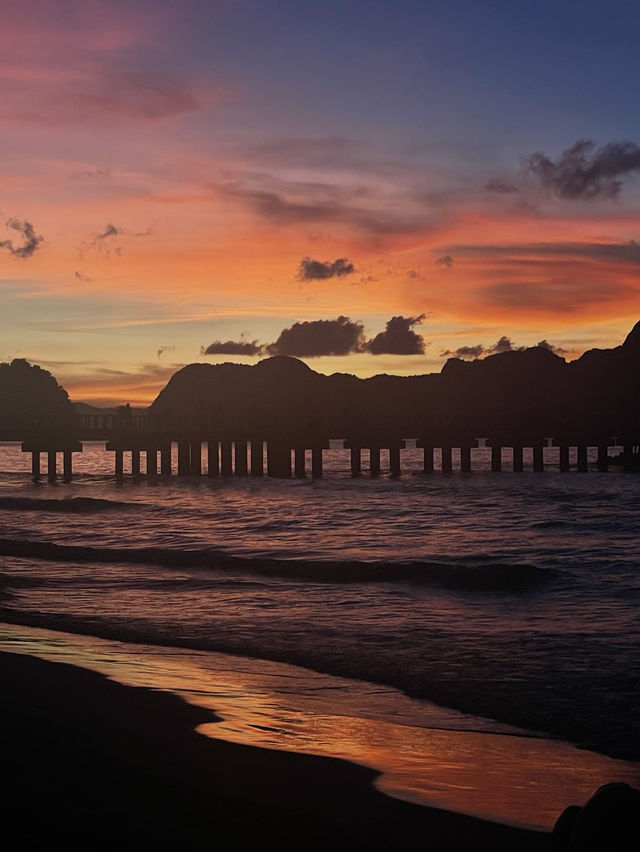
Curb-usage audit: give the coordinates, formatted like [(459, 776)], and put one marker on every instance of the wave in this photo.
[(74, 505), (487, 577)]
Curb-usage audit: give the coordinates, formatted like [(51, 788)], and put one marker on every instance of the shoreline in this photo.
[(419, 752), (95, 762)]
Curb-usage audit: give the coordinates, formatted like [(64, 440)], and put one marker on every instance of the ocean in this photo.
[(449, 630)]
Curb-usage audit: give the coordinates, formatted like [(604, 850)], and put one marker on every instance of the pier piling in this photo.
[(582, 458), (213, 458), (257, 458)]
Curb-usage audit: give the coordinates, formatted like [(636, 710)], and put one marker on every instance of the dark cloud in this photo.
[(557, 350), (163, 349), (445, 261), (320, 337), (398, 338), (234, 347), (31, 239), (500, 186), (584, 171), (316, 270), (504, 344), (81, 277)]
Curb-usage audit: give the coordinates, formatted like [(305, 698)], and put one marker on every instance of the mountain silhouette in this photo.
[(517, 396)]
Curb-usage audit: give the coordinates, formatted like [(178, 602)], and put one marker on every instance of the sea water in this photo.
[(507, 601)]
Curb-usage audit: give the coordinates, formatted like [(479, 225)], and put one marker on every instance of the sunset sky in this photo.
[(177, 176)]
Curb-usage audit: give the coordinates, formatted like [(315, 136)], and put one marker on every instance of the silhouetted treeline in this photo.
[(30, 397), (513, 396)]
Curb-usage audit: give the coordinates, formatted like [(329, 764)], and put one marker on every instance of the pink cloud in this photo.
[(101, 97)]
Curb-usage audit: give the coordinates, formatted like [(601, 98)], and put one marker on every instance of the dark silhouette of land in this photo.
[(516, 397), (512, 399), (30, 397)]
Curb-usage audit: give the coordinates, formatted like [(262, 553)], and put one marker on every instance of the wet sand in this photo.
[(94, 764)]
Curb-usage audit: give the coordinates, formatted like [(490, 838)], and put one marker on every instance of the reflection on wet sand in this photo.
[(425, 754)]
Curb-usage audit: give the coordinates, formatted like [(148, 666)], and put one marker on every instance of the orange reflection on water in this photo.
[(506, 777)]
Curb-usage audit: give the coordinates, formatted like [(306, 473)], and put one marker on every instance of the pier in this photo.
[(139, 450)]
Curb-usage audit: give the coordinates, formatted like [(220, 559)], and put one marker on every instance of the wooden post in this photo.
[(135, 462), (465, 459), (66, 466), (428, 459), (184, 458), (119, 464), (51, 465), (226, 458), (538, 458), (394, 461), (165, 460), (564, 458), (213, 458), (518, 459), (299, 462), (316, 462), (447, 461), (496, 458), (240, 450), (257, 458), (603, 458), (35, 464), (582, 458), (278, 460), (356, 461), (195, 451), (152, 462), (374, 461)]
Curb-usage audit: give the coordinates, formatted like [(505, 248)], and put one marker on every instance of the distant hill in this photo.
[(30, 396), (517, 396)]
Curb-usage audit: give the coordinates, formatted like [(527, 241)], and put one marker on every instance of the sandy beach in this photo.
[(94, 764)]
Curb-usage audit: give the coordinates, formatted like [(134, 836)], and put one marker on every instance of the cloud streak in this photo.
[(624, 253), (101, 97)]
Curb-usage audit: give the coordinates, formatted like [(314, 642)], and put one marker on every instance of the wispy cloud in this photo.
[(31, 240)]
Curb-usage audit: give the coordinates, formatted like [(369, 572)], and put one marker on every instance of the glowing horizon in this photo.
[(168, 167)]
